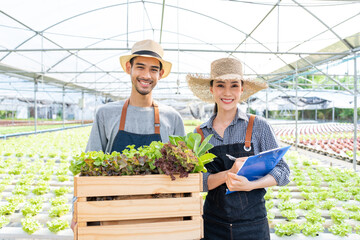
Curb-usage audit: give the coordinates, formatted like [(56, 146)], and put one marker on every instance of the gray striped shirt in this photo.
[(263, 139)]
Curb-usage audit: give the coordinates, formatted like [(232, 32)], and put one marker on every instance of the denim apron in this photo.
[(239, 215), (124, 138)]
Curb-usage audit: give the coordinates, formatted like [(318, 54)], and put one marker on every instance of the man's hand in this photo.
[(237, 164), (73, 224), (238, 183)]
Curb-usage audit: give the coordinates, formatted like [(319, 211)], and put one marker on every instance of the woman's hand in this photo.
[(235, 182), (237, 164)]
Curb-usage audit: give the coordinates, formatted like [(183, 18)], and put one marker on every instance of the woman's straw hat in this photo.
[(147, 48), (223, 69)]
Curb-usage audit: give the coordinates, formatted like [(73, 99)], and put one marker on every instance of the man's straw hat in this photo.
[(147, 48), (223, 69)]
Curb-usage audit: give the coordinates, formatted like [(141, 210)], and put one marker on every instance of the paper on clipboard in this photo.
[(258, 166)]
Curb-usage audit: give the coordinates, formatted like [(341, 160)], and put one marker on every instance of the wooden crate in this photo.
[(137, 213)]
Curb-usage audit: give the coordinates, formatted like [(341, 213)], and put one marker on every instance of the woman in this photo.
[(242, 214)]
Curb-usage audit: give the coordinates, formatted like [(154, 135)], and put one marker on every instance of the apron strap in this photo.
[(123, 115), (249, 132), (198, 130), (156, 117)]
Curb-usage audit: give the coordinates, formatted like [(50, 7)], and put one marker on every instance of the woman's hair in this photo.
[(211, 85), (215, 107)]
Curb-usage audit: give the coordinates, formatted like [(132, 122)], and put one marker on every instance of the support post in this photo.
[(63, 107), (267, 106), (355, 114), (296, 112), (35, 104), (82, 107)]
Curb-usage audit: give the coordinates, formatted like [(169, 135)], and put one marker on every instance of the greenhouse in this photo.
[(60, 67)]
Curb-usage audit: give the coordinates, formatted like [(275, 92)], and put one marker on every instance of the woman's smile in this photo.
[(227, 100)]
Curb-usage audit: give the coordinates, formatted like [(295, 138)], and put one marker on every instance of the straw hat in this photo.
[(147, 48), (224, 69)]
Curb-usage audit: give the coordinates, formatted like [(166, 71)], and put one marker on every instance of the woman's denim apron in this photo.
[(239, 215)]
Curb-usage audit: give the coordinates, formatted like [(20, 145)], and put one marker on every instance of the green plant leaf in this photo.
[(175, 139), (204, 147), (206, 158), (193, 140)]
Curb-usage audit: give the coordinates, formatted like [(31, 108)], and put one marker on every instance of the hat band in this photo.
[(145, 52)]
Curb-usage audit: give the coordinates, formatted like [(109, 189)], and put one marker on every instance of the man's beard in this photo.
[(142, 93)]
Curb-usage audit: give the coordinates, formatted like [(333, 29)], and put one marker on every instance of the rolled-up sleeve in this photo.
[(205, 181), (281, 171)]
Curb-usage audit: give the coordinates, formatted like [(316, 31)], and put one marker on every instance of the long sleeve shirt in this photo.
[(263, 139)]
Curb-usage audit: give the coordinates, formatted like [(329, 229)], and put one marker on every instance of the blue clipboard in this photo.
[(258, 166)]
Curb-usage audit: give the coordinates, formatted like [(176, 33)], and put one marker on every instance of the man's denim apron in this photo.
[(124, 138), (239, 215)]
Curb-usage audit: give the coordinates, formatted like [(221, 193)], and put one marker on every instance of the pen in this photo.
[(231, 157)]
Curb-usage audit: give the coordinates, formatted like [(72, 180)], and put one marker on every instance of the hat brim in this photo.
[(166, 66), (200, 86)]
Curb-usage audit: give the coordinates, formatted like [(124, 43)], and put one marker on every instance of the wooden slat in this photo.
[(201, 224), (80, 222), (184, 230), (137, 221), (135, 185), (138, 209)]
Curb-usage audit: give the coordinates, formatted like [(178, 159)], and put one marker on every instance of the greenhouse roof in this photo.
[(77, 44)]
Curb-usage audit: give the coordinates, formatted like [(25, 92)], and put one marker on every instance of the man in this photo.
[(137, 126), (141, 120)]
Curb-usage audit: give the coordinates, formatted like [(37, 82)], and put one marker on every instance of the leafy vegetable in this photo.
[(269, 205), (289, 214), (41, 188), (308, 204), (37, 200), (338, 216), (61, 191), (269, 194), (8, 208), (58, 201), (4, 221), (57, 225), (342, 229), (63, 178), (287, 205), (327, 205), (58, 211), (287, 229), (270, 215), (16, 199), (31, 209), (182, 155), (312, 229), (314, 216), (351, 207), (200, 149), (30, 224), (357, 229), (176, 159)]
